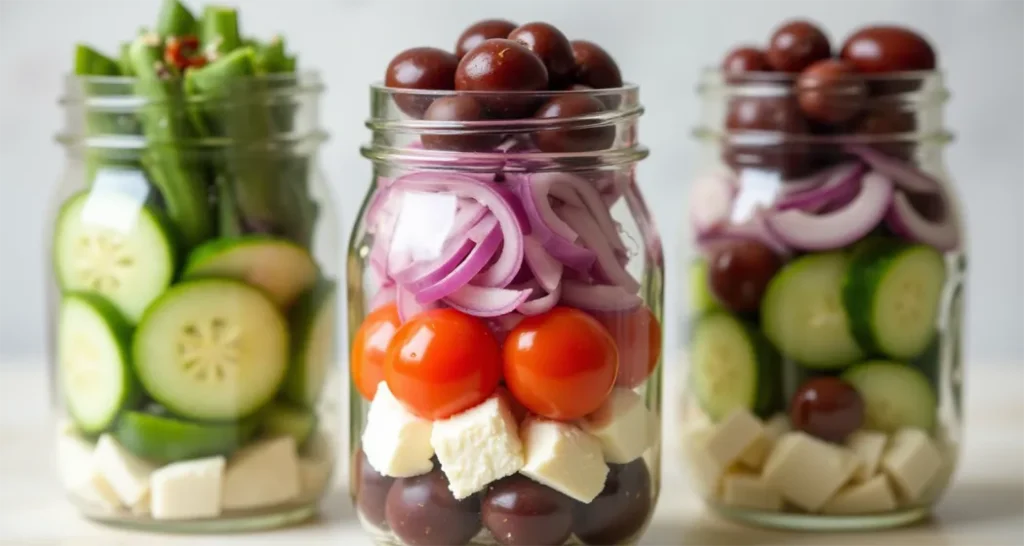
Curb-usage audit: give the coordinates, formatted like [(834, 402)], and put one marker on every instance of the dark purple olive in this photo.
[(427, 68), (796, 45), (503, 65), (481, 31), (371, 490), (572, 140), (885, 121), (521, 512), (828, 408), (458, 108), (780, 115), (743, 60), (830, 92), (882, 49), (622, 508), (594, 66), (739, 272), (553, 48), (421, 511)]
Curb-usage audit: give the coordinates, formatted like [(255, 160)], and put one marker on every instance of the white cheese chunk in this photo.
[(807, 471), (263, 474), (144, 506), (396, 442), (564, 458), (314, 475), (622, 425), (754, 456), (188, 489), (870, 497), (704, 470), (478, 446), (868, 446), (746, 490), (127, 474), (733, 436), (911, 461)]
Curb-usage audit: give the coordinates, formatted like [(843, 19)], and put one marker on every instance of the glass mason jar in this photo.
[(505, 303), (193, 323), (826, 302)]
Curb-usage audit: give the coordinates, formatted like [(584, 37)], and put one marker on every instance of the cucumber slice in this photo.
[(279, 267), (701, 299), (895, 395), (313, 320), (212, 349), (95, 375), (110, 244), (285, 420), (802, 312), (891, 294), (165, 439), (733, 366)]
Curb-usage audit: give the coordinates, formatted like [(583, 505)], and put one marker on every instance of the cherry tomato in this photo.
[(442, 362), (637, 336), (561, 364), (369, 347)]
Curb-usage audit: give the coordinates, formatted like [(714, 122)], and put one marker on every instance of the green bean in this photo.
[(219, 31), (175, 20)]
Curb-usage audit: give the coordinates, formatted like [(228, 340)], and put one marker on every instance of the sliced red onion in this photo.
[(469, 213), (482, 301), (424, 273), (542, 304), (551, 231), (808, 182), (465, 272), (711, 201), (905, 220), (837, 229), (502, 325), (754, 228), (598, 297), (840, 183), (588, 197), (408, 307), (903, 175), (547, 270), (384, 296), (607, 263)]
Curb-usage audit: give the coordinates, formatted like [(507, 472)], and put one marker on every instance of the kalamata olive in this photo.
[(502, 65), (458, 108), (572, 140), (771, 114), (553, 48), (796, 45), (739, 272), (888, 120), (827, 407), (887, 48), (743, 60), (422, 512), (594, 66), (371, 490), (481, 31), (521, 512), (830, 91), (427, 68), (620, 510)]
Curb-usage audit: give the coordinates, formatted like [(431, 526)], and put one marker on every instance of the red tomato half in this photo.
[(369, 348), (637, 335)]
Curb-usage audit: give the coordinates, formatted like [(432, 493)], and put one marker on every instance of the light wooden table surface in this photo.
[(984, 507)]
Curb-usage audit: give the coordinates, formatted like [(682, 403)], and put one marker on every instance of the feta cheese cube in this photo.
[(144, 506), (868, 447), (869, 497), (564, 458), (396, 442), (746, 490), (478, 446), (314, 475), (911, 461), (807, 471), (754, 456), (262, 474), (127, 474), (188, 489), (622, 425), (704, 469), (733, 436)]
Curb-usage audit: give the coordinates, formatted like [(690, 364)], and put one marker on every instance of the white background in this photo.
[(660, 44)]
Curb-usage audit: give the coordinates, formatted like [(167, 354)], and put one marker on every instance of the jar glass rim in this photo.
[(626, 88)]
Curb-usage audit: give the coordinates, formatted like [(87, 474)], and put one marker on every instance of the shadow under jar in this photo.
[(193, 304), (826, 303), (505, 304)]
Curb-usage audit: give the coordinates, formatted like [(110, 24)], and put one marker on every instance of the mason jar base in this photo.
[(816, 522), (243, 521)]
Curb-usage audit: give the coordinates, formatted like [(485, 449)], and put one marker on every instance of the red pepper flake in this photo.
[(183, 52)]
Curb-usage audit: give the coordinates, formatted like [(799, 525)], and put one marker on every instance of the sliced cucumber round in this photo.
[(701, 299), (279, 267), (94, 372), (111, 244), (732, 366), (895, 395), (313, 320), (286, 420), (212, 349), (165, 439), (892, 293), (802, 312)]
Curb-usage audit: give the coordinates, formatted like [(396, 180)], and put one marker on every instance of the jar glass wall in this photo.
[(826, 274), (504, 291), (193, 305)]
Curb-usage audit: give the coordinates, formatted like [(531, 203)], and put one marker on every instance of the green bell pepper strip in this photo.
[(218, 31), (175, 20)]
